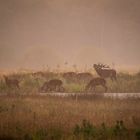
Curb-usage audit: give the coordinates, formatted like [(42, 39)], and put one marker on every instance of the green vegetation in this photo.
[(30, 83)]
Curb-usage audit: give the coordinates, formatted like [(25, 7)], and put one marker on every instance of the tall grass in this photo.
[(30, 84), (57, 118)]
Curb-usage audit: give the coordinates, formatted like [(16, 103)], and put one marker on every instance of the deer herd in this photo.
[(56, 85)]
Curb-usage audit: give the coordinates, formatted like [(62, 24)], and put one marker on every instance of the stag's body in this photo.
[(105, 72), (96, 82), (52, 85), (11, 82)]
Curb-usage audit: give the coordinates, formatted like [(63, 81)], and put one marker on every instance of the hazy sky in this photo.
[(34, 33)]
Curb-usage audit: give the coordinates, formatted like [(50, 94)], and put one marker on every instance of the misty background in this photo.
[(40, 33)]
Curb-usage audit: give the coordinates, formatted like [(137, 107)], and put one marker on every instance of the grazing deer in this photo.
[(84, 76), (11, 82), (70, 76), (105, 71), (52, 85), (44, 74), (95, 82)]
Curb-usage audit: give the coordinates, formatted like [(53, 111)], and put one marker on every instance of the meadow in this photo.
[(26, 115), (57, 118), (30, 83)]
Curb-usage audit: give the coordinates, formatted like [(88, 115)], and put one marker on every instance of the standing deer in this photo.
[(84, 77), (11, 82), (95, 82), (105, 71), (52, 85)]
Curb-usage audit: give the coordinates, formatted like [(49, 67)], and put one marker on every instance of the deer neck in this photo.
[(6, 79), (99, 71)]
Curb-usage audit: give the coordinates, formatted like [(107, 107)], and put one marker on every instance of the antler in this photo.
[(102, 65), (106, 66)]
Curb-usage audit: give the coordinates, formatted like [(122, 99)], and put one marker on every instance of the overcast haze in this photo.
[(36, 33)]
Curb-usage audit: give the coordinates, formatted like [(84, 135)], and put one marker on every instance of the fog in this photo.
[(47, 33)]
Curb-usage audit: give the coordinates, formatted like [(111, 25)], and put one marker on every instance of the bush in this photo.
[(137, 134), (87, 131)]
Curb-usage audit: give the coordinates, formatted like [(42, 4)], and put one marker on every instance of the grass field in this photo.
[(26, 115), (57, 118), (30, 84)]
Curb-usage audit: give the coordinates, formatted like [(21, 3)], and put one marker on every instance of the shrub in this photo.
[(87, 131)]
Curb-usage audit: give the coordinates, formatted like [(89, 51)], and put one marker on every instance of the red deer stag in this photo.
[(11, 82), (52, 85), (105, 71), (95, 82)]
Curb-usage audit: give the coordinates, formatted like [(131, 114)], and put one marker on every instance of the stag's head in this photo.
[(95, 66)]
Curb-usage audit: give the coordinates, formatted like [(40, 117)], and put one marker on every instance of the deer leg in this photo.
[(87, 88), (105, 88), (115, 78), (55, 88), (111, 78), (93, 89), (59, 88), (17, 86), (47, 89), (52, 88), (44, 88)]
